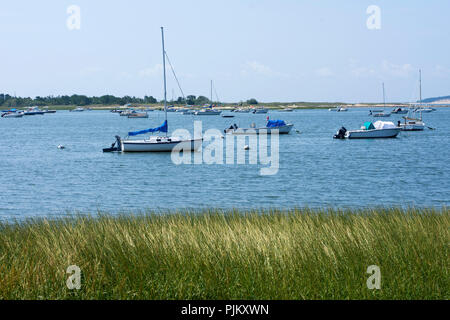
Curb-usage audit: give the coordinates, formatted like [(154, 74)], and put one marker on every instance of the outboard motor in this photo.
[(340, 134), (116, 146)]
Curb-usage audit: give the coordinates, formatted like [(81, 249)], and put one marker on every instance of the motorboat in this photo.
[(136, 114), (241, 110), (338, 109), (379, 129), (260, 111), (424, 110), (208, 112), (381, 115), (32, 111), (155, 143), (399, 110), (11, 114), (78, 109), (287, 110), (278, 126)]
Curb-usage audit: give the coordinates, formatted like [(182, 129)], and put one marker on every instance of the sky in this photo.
[(285, 50)]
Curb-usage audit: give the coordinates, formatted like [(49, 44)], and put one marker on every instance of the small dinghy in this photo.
[(379, 129)]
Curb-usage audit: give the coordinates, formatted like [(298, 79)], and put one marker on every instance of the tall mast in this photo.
[(211, 94), (420, 92), (420, 86), (384, 97), (164, 72)]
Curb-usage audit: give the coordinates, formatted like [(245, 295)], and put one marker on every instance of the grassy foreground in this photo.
[(298, 254)]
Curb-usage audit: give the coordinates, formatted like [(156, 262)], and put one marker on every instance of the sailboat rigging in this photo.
[(155, 143)]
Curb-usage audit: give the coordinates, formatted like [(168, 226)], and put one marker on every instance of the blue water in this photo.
[(38, 179)]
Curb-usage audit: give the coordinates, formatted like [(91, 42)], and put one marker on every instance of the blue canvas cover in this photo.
[(275, 123), (369, 125), (162, 128)]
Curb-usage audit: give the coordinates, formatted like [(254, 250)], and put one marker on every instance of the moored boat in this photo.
[(377, 130), (155, 143), (272, 126)]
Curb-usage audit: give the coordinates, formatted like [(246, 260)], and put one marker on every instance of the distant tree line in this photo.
[(79, 100), (7, 100)]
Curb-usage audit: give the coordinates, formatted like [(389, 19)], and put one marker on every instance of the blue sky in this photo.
[(287, 50)]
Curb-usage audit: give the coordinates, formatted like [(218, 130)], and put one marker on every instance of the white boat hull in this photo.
[(12, 115), (208, 113), (372, 134), (281, 130), (164, 145)]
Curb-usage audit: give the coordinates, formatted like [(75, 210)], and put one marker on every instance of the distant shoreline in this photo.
[(270, 106)]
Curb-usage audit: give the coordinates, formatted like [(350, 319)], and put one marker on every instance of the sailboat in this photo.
[(208, 109), (155, 143), (410, 123), (381, 114)]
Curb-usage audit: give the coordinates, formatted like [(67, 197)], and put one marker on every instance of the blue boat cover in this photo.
[(275, 123), (162, 128), (369, 125)]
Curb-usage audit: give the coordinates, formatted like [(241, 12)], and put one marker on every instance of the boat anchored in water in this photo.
[(399, 110), (379, 129), (32, 111), (155, 143), (278, 126)]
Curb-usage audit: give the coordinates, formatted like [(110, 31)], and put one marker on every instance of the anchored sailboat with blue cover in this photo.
[(155, 143)]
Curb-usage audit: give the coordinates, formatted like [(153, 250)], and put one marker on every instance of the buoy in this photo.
[(61, 147), (246, 147)]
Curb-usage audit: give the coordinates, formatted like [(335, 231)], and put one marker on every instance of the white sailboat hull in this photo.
[(164, 145), (372, 134)]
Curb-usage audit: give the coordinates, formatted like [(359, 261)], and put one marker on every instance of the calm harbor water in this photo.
[(38, 179)]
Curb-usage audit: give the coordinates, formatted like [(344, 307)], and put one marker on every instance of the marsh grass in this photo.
[(296, 254)]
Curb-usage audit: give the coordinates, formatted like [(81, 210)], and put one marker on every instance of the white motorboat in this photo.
[(155, 143), (78, 109), (338, 109), (208, 112), (377, 130), (12, 115), (278, 126), (241, 110), (138, 115), (381, 115), (260, 111), (424, 110), (287, 110)]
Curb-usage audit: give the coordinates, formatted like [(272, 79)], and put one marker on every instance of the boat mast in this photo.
[(211, 95), (384, 97), (164, 72), (420, 92)]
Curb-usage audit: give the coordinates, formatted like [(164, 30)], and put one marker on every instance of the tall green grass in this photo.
[(296, 254)]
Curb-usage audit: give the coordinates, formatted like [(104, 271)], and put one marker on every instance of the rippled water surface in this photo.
[(39, 179)]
